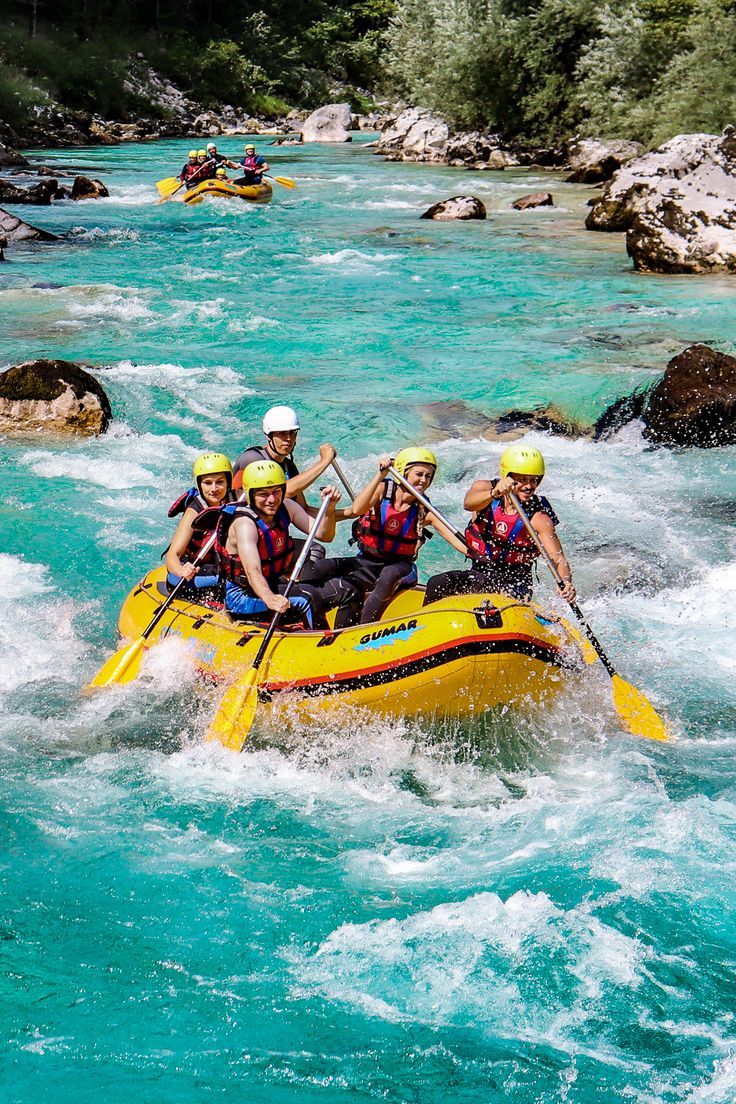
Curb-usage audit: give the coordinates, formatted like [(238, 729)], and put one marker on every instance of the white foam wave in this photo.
[(351, 257), (115, 474), (204, 390), (111, 234)]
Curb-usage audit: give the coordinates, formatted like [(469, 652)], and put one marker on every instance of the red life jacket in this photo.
[(386, 533), (192, 499), (503, 537), (275, 545), (189, 170), (251, 165)]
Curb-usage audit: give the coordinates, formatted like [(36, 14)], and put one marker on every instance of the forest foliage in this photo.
[(535, 70)]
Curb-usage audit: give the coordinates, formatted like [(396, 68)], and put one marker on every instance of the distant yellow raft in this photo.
[(253, 193), (456, 658)]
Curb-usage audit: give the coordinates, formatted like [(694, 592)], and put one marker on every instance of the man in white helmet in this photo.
[(281, 427)]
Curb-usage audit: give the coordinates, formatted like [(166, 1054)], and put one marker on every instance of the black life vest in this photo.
[(503, 537), (193, 500), (275, 545)]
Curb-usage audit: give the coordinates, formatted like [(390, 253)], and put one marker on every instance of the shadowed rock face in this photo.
[(677, 205), (84, 188), (693, 405), (535, 199), (52, 396), (457, 207), (695, 402), (592, 161)]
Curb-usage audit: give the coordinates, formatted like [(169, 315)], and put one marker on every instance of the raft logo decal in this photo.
[(383, 638)]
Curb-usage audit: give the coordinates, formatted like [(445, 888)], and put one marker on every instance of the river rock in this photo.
[(15, 230), (676, 204), (9, 156), (592, 161), (462, 207), (39, 194), (52, 396), (535, 199), (692, 405), (695, 401), (416, 134), (331, 123), (84, 188), (207, 124), (3, 246)]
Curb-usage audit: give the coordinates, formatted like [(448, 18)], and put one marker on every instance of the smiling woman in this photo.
[(364, 905)]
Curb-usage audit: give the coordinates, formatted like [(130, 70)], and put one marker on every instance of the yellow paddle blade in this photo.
[(285, 181), (234, 718), (167, 186), (122, 667), (638, 715)]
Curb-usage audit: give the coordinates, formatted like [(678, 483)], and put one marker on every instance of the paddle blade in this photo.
[(122, 667), (167, 186), (234, 718), (285, 181), (637, 714)]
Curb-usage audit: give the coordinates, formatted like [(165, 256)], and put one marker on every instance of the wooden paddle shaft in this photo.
[(292, 580), (561, 583), (343, 479)]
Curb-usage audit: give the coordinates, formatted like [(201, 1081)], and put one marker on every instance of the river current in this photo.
[(540, 912)]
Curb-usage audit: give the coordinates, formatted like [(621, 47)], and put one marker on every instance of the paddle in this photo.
[(284, 181), (636, 712), (123, 665), (172, 184), (237, 710), (343, 479), (430, 507)]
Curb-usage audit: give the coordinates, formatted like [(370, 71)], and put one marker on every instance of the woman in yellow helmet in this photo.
[(213, 475), (498, 537), (389, 530)]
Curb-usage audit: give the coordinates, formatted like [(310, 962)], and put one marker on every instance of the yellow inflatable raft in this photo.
[(253, 193), (456, 658)]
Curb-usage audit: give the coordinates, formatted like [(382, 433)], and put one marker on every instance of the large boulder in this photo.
[(52, 396), (677, 205), (15, 230), (207, 125), (475, 150), (84, 188), (39, 194), (9, 156), (693, 405), (592, 161), (462, 207), (331, 123), (416, 134), (535, 199)]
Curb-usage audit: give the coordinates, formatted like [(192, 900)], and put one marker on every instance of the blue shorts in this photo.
[(199, 582), (247, 605)]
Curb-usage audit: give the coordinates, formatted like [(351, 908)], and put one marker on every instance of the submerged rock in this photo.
[(592, 161), (535, 199), (52, 396), (331, 123), (677, 205), (457, 207), (15, 230), (455, 418), (84, 188), (693, 405)]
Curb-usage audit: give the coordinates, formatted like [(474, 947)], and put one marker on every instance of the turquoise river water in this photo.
[(538, 912)]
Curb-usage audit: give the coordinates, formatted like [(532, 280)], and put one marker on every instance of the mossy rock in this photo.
[(45, 382)]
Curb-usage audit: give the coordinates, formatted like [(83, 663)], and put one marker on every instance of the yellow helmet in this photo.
[(408, 456), (221, 173), (201, 153), (250, 146), (262, 474), (211, 463), (521, 459), (192, 154)]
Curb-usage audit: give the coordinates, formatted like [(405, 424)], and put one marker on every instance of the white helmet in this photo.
[(211, 146), (279, 419)]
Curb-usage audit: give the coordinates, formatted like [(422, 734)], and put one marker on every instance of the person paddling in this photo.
[(189, 175), (213, 474), (219, 159), (253, 167), (390, 530), (498, 536), (255, 546)]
